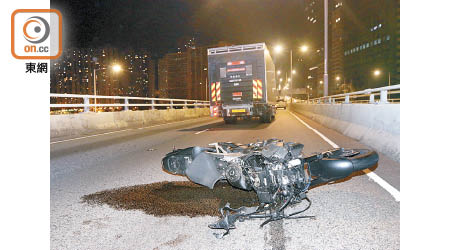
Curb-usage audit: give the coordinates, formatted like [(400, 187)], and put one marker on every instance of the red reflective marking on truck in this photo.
[(213, 91), (235, 63), (235, 69), (259, 89), (237, 93), (218, 91)]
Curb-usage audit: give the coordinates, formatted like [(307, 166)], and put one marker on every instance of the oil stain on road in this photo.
[(182, 198)]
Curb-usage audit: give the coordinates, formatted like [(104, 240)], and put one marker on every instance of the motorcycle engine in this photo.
[(272, 168)]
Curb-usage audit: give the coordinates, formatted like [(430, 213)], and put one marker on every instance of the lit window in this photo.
[(379, 25), (388, 37), (367, 45), (374, 28), (379, 40)]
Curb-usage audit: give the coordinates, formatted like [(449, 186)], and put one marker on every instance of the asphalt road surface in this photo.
[(355, 214)]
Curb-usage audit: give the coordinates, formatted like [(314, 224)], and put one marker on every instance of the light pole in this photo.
[(279, 49), (377, 72), (115, 68)]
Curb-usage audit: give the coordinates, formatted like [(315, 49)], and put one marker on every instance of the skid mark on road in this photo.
[(394, 192)]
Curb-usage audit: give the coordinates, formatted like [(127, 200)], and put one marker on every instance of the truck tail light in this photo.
[(214, 111)]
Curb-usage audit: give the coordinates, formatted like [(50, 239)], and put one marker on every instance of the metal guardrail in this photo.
[(364, 96), (154, 102)]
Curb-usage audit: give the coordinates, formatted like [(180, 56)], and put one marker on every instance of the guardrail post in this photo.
[(347, 99), (153, 103), (86, 103), (126, 104), (372, 98), (384, 96), (185, 105), (171, 104)]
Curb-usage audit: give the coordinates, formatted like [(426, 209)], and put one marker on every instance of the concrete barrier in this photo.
[(375, 125), (85, 123)]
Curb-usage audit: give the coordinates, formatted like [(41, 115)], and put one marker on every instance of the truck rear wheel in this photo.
[(230, 120), (266, 118)]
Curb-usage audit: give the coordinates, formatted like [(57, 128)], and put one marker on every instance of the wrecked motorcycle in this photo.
[(275, 170)]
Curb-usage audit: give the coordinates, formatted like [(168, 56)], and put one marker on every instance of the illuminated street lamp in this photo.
[(278, 48), (304, 48), (278, 72), (338, 78), (293, 72), (115, 68), (377, 72)]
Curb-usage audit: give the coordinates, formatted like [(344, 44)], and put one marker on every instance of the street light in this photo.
[(294, 72), (115, 67), (304, 48), (377, 72), (338, 78), (278, 48), (279, 72)]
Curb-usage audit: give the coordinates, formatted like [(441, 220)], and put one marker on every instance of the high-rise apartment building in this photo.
[(182, 74), (73, 72), (371, 42), (364, 36)]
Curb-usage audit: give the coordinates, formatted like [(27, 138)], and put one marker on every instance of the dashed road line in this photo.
[(394, 192), (202, 131)]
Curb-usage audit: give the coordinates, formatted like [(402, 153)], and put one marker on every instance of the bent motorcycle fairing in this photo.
[(275, 170)]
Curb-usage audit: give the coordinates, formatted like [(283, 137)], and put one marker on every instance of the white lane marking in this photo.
[(202, 131), (112, 132), (394, 192)]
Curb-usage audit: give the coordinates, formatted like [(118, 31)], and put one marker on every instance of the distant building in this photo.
[(371, 42), (364, 36), (73, 72), (182, 74)]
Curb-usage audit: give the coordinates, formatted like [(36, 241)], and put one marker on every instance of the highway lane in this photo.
[(356, 214)]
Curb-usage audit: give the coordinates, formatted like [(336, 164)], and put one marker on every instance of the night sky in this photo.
[(162, 25)]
